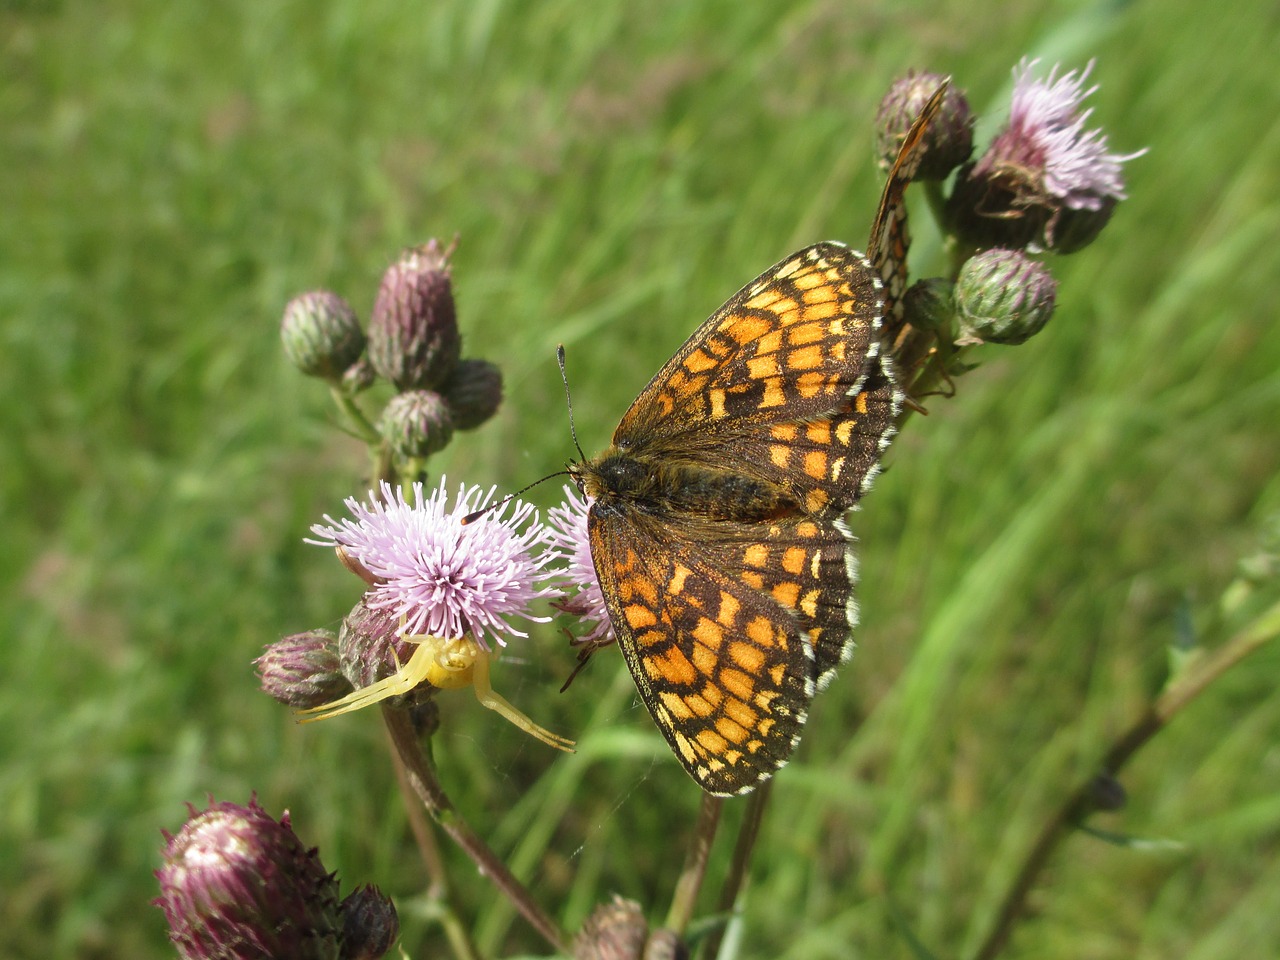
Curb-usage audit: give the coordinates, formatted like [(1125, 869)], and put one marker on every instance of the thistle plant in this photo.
[(454, 574)]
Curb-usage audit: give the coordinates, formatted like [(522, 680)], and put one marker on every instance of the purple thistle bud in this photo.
[(473, 393), (413, 333), (1003, 296), (1045, 181), (445, 578), (302, 670), (321, 334), (371, 649), (567, 526), (369, 924), (235, 885), (416, 424), (949, 137)]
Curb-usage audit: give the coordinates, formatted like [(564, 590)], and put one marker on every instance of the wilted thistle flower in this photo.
[(413, 333), (321, 334), (567, 526), (1045, 181), (302, 670), (614, 931), (237, 884), (948, 138), (473, 393), (1003, 296), (416, 423)]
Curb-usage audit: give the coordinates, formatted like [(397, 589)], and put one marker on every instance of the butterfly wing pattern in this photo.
[(716, 520)]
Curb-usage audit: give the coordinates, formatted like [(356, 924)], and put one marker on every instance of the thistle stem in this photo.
[(689, 885), (438, 892), (420, 773), (748, 831), (1177, 694)]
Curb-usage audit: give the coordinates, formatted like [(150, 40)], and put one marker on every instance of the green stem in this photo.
[(1179, 692), (689, 885), (748, 831), (355, 417), (421, 776)]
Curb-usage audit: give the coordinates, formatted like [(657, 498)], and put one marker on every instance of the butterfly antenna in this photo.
[(568, 399), (477, 514)]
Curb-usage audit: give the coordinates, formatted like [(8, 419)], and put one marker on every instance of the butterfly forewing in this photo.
[(789, 345)]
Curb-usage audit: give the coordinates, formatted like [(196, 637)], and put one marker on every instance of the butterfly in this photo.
[(716, 519)]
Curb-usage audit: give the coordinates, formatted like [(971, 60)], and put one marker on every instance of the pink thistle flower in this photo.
[(447, 579), (567, 525), (1047, 131), (1046, 181)]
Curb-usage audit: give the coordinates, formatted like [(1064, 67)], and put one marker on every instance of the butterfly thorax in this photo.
[(667, 487)]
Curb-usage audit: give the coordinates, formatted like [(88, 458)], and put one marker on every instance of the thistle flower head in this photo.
[(1046, 180), (567, 525), (441, 577)]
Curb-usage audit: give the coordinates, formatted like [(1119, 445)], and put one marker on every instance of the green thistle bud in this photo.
[(235, 885), (302, 670), (1003, 296), (417, 424), (369, 924), (948, 139), (929, 305), (321, 334), (473, 393), (413, 334)]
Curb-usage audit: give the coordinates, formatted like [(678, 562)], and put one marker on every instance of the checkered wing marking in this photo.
[(827, 463), (725, 668), (808, 567), (790, 345)]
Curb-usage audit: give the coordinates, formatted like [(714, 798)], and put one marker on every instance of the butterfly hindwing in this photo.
[(726, 672)]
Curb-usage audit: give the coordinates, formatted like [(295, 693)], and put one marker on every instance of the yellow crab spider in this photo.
[(446, 664)]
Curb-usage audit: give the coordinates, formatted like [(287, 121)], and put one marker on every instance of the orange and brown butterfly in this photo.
[(716, 517)]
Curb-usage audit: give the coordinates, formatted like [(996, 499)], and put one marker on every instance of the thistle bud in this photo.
[(1107, 793), (302, 670), (369, 924), (413, 333), (929, 305), (416, 423), (473, 393), (370, 649), (236, 885), (615, 931), (321, 334), (1003, 296), (948, 140)]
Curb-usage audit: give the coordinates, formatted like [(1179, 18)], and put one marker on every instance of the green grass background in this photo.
[(171, 173)]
